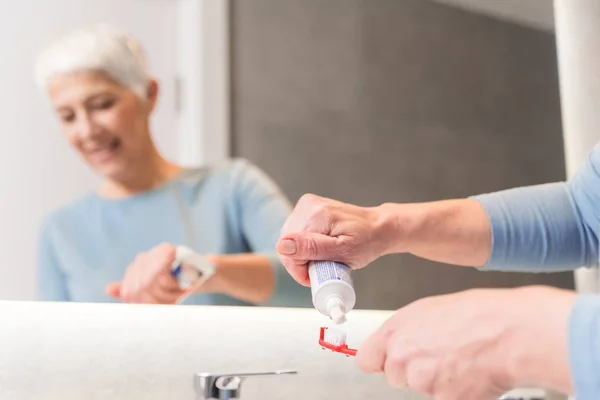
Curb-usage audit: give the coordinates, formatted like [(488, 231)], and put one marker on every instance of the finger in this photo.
[(297, 269), (162, 296), (310, 246), (131, 285), (145, 298), (167, 282), (163, 256), (114, 290), (371, 356), (145, 289), (419, 375), (149, 297), (394, 370)]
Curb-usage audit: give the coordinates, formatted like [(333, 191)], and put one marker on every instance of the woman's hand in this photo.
[(451, 231), (325, 229), (148, 279), (476, 344), (247, 277)]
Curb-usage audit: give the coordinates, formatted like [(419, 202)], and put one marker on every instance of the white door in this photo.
[(38, 170)]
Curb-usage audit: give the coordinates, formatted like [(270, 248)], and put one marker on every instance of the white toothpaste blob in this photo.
[(332, 289), (336, 337)]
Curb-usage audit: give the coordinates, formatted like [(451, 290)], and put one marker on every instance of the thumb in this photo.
[(114, 290), (310, 246)]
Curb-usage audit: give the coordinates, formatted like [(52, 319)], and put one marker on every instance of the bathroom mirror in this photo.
[(365, 102)]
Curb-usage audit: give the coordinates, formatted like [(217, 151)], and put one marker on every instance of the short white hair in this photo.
[(97, 48)]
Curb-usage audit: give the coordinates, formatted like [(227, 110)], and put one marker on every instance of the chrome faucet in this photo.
[(209, 386), (226, 386)]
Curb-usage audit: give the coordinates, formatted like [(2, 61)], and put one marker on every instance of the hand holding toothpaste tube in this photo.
[(325, 229), (451, 231), (164, 275), (168, 274), (149, 279)]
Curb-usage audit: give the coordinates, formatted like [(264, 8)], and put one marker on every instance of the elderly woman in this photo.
[(117, 244)]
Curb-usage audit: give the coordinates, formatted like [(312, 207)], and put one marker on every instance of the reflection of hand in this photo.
[(325, 229), (148, 279), (475, 344)]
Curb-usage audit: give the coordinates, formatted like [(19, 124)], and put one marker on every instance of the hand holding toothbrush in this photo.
[(475, 344)]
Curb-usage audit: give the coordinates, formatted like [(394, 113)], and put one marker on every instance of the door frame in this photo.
[(203, 81)]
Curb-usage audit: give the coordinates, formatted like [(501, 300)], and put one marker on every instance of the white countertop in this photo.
[(99, 351)]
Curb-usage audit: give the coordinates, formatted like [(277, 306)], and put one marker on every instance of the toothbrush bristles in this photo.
[(335, 337)]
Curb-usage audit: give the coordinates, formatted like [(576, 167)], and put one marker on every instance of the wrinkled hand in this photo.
[(325, 229), (148, 279), (476, 344)]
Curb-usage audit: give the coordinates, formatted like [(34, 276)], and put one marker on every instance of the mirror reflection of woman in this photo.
[(118, 243)]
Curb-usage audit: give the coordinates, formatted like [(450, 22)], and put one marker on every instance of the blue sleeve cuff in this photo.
[(584, 347), (497, 259), (537, 229)]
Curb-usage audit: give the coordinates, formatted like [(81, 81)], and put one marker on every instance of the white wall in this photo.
[(38, 171)]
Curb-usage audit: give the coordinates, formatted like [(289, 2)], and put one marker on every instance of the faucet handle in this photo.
[(209, 386)]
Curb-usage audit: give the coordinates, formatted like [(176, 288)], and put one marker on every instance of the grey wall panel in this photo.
[(396, 100)]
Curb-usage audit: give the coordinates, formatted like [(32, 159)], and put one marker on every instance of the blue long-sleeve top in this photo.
[(224, 209), (549, 228)]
